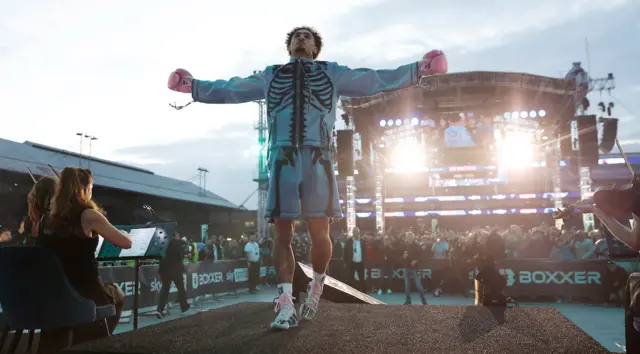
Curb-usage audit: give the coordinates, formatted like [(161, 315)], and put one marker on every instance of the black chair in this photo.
[(35, 294)]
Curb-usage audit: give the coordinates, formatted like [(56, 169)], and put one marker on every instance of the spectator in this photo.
[(171, 270), (561, 251), (440, 249), (583, 245), (354, 260), (388, 253), (411, 263), (252, 252)]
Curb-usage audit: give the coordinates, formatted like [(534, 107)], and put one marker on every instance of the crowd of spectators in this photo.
[(515, 242)]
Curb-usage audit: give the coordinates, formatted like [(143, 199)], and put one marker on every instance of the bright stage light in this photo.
[(414, 121), (390, 122), (383, 123), (533, 114), (542, 113), (398, 122), (407, 155), (516, 150)]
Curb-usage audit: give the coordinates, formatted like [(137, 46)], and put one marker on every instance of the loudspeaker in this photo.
[(334, 290), (564, 135), (609, 134), (345, 152), (588, 140)]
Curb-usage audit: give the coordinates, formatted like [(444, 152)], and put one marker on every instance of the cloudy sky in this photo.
[(101, 67)]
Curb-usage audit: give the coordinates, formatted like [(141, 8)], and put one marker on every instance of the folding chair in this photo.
[(35, 294)]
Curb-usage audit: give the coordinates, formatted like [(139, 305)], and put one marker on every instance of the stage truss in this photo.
[(452, 92)]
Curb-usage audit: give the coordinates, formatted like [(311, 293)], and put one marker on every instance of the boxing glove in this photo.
[(180, 81), (433, 63)]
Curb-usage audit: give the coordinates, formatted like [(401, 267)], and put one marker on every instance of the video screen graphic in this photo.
[(466, 131), (148, 241)]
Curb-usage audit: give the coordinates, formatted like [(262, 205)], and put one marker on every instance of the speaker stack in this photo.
[(345, 152), (588, 140)]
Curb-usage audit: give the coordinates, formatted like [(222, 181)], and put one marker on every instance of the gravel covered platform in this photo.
[(350, 328)]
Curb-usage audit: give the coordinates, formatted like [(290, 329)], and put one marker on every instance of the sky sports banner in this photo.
[(200, 279), (525, 278)]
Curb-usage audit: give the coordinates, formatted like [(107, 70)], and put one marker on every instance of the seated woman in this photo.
[(39, 202), (72, 230)]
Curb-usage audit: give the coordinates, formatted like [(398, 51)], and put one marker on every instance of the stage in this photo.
[(350, 328), (605, 324)]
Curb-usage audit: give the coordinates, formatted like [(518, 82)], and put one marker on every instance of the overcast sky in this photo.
[(100, 68)]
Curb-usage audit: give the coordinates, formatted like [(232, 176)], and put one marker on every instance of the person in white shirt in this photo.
[(252, 252), (354, 260)]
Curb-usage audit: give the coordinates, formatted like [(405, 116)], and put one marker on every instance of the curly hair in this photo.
[(316, 36)]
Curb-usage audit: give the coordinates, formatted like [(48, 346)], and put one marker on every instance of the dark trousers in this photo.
[(357, 268), (167, 279), (254, 275)]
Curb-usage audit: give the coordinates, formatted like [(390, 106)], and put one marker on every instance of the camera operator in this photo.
[(489, 282), (495, 247), (171, 270)]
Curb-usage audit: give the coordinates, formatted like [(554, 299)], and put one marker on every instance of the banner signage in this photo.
[(200, 279), (529, 278)]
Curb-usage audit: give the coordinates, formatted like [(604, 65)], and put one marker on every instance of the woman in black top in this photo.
[(39, 202), (72, 233)]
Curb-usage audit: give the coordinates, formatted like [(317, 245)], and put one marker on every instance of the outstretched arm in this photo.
[(235, 90), (368, 82)]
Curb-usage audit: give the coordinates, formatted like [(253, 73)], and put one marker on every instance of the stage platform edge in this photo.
[(355, 328)]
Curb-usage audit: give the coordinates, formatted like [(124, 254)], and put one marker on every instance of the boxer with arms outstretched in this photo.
[(301, 99)]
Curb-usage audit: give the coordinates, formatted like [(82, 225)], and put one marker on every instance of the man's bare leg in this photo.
[(321, 247), (283, 253), (320, 256), (285, 265)]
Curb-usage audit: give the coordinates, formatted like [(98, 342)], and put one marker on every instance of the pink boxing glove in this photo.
[(180, 81), (433, 63)]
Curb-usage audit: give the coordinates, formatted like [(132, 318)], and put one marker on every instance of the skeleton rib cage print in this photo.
[(302, 93)]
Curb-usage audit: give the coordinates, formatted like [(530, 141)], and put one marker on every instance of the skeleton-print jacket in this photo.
[(301, 96)]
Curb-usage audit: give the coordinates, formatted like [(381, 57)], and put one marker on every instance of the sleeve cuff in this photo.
[(415, 75), (194, 90)]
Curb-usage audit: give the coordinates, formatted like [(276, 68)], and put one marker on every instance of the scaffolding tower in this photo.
[(584, 85), (263, 171), (351, 190), (379, 173)]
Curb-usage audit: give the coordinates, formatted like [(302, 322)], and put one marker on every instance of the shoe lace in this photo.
[(314, 293), (284, 301)]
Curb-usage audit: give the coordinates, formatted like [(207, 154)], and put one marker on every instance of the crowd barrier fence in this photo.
[(525, 278)]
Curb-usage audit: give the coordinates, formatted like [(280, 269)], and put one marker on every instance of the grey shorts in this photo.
[(302, 184)]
